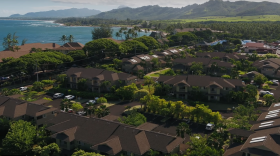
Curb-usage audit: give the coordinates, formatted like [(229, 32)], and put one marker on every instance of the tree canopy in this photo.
[(99, 47), (150, 42), (104, 31), (129, 46)]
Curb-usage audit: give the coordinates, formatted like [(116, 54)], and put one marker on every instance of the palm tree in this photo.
[(71, 38), (102, 111), (23, 41), (63, 38), (17, 48), (117, 35), (65, 104), (106, 84), (90, 109), (183, 128)]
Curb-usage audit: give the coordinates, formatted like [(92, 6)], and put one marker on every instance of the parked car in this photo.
[(209, 126), (261, 102), (5, 78), (69, 110), (69, 97), (91, 101), (262, 93), (275, 82), (58, 95), (96, 98), (22, 88), (188, 121), (81, 113)]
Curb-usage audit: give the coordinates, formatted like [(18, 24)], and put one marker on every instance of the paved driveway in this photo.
[(118, 109)]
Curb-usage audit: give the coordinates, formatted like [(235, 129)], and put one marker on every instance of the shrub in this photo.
[(48, 82), (226, 76), (38, 86), (134, 119), (49, 99), (269, 82), (102, 100), (111, 96), (266, 87)]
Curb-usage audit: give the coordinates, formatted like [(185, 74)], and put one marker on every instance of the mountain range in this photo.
[(74, 12), (210, 8)]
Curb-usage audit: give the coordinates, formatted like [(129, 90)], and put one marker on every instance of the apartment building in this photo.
[(14, 109), (226, 57), (269, 67), (214, 88), (70, 46), (265, 139), (95, 77), (107, 137), (185, 64)]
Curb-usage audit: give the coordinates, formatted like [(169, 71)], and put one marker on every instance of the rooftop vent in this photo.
[(265, 124), (165, 53), (155, 56), (271, 115), (277, 104), (133, 60), (258, 139)]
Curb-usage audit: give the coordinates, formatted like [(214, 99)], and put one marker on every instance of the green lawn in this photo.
[(241, 72), (228, 19), (157, 74)]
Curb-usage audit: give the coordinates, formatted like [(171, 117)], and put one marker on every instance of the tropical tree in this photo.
[(17, 48), (133, 46), (83, 153), (134, 118), (20, 138), (76, 107), (66, 104), (127, 92), (51, 149), (140, 94), (63, 38), (82, 84), (71, 38), (97, 48), (260, 79), (102, 100), (106, 84), (269, 99), (102, 111), (90, 109), (182, 129), (23, 41), (149, 82), (77, 55), (104, 31), (38, 86), (196, 68), (10, 41), (150, 42)]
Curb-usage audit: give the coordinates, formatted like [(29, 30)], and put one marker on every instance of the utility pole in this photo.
[(37, 70)]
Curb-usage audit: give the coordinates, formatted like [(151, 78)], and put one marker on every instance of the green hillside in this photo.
[(210, 8)]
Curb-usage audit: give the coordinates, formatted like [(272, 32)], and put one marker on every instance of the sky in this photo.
[(9, 7)]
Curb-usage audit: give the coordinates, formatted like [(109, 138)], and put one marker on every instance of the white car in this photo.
[(69, 97), (58, 95), (69, 110), (91, 101), (209, 126), (96, 98), (23, 88), (81, 113), (266, 92)]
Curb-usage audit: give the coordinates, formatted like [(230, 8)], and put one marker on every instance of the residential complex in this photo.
[(95, 78), (213, 88), (265, 136), (269, 67)]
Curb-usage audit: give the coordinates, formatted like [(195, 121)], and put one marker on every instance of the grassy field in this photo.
[(228, 19), (157, 74)]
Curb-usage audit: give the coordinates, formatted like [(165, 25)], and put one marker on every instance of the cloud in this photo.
[(5, 13), (47, 8), (137, 3)]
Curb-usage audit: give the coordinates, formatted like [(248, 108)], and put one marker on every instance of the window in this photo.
[(212, 97), (212, 89), (44, 116), (81, 143), (39, 117), (225, 88), (23, 116), (182, 87), (52, 112)]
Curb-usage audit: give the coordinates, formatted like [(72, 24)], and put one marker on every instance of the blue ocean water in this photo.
[(46, 31)]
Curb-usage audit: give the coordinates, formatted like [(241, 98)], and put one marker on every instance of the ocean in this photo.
[(46, 31)]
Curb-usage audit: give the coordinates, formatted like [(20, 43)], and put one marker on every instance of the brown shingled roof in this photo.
[(26, 49), (71, 46), (111, 146)]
